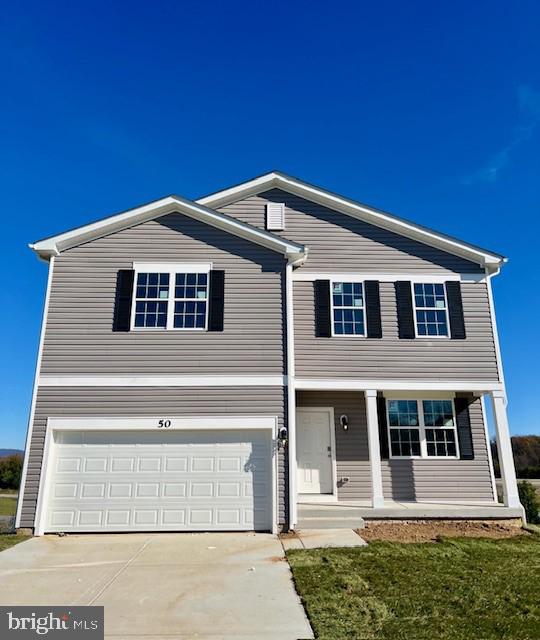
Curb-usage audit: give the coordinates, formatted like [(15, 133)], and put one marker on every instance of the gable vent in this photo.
[(275, 216)]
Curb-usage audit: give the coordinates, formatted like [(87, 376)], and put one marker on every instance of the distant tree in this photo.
[(10, 472), (526, 450), (530, 501)]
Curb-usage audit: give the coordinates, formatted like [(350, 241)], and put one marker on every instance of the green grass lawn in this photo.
[(7, 540), (458, 589), (8, 506)]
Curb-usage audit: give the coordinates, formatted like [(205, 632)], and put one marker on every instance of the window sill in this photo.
[(424, 458), (164, 329)]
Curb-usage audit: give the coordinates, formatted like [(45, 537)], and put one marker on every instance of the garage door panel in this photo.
[(145, 481)]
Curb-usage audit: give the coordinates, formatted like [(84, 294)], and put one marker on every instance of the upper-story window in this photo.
[(422, 428), (430, 309), (348, 309), (170, 296)]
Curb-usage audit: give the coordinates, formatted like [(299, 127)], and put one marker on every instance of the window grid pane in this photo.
[(403, 413), (190, 305), (151, 314), (191, 286), (348, 304), (441, 442), (405, 442), (430, 304), (438, 413), (151, 295)]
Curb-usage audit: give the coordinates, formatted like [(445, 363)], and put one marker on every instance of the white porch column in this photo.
[(504, 447), (291, 398), (377, 499)]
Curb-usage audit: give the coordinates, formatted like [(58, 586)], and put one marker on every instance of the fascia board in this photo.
[(61, 242)]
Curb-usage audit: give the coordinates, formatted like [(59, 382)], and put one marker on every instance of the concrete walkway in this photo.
[(322, 538), (204, 586)]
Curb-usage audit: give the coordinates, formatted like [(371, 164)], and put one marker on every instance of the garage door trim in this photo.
[(149, 423)]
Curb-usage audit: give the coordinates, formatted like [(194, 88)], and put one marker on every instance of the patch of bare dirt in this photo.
[(431, 530), (277, 558), (287, 535)]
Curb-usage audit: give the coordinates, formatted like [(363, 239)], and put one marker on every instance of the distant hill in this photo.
[(526, 450), (10, 452)]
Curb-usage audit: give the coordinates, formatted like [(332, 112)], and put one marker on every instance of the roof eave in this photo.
[(171, 204), (356, 210)]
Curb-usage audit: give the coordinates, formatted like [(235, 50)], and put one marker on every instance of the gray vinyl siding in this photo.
[(338, 242), (406, 480), (148, 401), (391, 358), (79, 337)]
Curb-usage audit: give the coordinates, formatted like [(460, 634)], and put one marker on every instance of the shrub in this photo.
[(530, 501), (10, 472)]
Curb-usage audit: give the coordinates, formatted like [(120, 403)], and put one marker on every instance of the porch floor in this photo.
[(393, 509)]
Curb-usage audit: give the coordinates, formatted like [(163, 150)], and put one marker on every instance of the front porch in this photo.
[(345, 468), (352, 514)]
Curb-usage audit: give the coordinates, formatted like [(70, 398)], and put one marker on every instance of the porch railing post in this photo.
[(377, 498)]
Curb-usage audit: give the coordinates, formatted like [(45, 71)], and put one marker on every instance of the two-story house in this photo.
[(271, 356)]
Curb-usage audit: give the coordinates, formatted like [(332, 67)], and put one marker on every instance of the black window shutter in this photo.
[(216, 300), (122, 303), (383, 430), (323, 327), (455, 310), (463, 421), (405, 311), (373, 309)]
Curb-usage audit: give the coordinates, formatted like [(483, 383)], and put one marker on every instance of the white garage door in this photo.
[(150, 481)]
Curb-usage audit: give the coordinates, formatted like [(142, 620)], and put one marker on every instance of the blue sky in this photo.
[(429, 110)]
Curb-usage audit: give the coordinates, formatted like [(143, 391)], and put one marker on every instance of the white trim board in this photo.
[(181, 267), (34, 396), (162, 381), (136, 423), (344, 384), (171, 204), (495, 329), (291, 396), (278, 180), (307, 276)]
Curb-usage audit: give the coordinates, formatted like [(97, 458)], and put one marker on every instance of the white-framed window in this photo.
[(419, 428), (430, 310), (170, 297), (348, 308)]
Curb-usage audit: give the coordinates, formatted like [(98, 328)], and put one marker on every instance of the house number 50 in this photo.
[(164, 424)]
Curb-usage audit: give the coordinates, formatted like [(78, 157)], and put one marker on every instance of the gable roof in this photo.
[(277, 180), (171, 204)]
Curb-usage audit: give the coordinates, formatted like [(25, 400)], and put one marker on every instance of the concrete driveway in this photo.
[(218, 586)]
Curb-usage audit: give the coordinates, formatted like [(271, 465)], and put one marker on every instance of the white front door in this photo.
[(315, 443)]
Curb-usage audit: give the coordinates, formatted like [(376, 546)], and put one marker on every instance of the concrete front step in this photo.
[(328, 511), (324, 516), (330, 523)]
